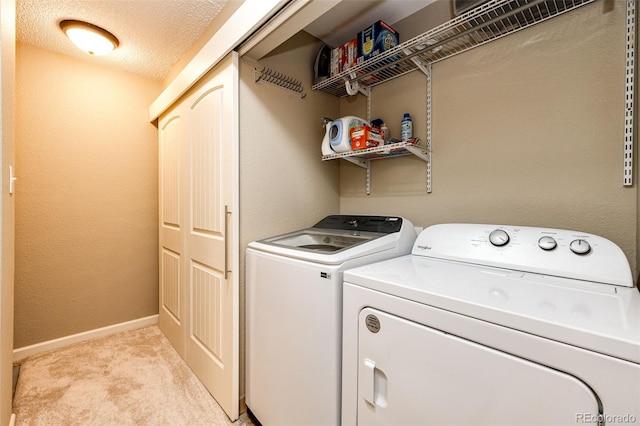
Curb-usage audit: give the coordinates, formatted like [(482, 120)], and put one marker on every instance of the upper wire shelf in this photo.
[(488, 22)]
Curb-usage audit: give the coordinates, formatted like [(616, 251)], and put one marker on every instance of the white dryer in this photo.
[(294, 313), (495, 325)]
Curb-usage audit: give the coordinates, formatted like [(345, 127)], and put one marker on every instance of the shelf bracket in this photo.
[(425, 68), (419, 152), (365, 164), (366, 90), (629, 93)]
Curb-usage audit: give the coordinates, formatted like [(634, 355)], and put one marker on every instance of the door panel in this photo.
[(206, 310), (212, 305), (172, 291), (409, 373), (170, 288), (170, 134), (206, 167), (199, 297)]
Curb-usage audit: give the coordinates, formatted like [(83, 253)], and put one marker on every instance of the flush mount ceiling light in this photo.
[(88, 37)]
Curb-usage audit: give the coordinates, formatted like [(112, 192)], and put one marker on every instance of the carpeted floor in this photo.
[(131, 378)]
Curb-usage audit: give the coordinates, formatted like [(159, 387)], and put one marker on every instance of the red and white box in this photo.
[(344, 57), (363, 137)]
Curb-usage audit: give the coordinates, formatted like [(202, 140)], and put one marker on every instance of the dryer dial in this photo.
[(547, 243), (580, 246), (498, 237)]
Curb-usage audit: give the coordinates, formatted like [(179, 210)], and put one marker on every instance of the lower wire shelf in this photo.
[(363, 157)]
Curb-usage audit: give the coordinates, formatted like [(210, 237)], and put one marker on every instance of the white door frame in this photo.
[(7, 213)]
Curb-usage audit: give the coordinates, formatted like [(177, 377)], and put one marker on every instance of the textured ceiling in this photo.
[(153, 34)]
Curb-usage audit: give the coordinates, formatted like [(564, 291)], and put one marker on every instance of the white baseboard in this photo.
[(27, 351)]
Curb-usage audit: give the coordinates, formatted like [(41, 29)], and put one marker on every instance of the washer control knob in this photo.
[(580, 246), (547, 243), (353, 222), (498, 237)]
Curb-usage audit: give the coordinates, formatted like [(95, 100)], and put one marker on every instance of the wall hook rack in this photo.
[(276, 78)]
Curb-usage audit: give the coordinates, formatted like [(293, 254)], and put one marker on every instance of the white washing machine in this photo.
[(493, 325), (294, 313)]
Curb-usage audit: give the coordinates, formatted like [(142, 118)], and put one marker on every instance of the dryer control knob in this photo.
[(498, 237), (547, 243), (580, 246)]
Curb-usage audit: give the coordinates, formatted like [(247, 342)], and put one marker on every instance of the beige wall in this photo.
[(283, 184), (527, 130), (86, 221)]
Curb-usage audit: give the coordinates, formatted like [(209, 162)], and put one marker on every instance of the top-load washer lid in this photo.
[(527, 279), (338, 232), (321, 240), (339, 237)]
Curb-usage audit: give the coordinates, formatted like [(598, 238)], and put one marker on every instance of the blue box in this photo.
[(376, 39)]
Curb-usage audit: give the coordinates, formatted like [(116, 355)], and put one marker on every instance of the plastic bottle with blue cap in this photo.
[(406, 128)]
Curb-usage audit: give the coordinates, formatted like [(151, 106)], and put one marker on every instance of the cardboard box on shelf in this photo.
[(365, 137), (350, 54), (344, 57), (335, 62), (376, 39)]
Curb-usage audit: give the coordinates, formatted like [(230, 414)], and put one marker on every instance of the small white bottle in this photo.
[(406, 127)]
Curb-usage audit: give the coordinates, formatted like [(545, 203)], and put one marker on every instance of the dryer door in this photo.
[(411, 374)]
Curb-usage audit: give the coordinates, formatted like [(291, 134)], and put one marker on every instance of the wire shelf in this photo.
[(384, 151), (488, 22)]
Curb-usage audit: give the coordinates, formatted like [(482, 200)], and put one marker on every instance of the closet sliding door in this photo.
[(199, 298)]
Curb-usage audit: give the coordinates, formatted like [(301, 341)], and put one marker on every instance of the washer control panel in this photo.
[(557, 252)]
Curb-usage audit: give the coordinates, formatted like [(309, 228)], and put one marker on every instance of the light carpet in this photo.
[(130, 378)]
